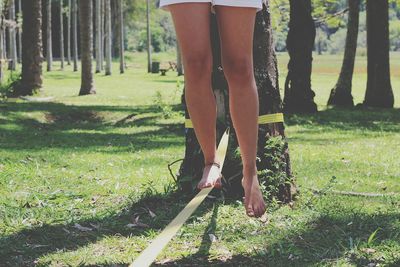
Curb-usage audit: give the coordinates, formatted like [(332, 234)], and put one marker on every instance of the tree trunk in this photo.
[(379, 89), (98, 36), (149, 63), (19, 31), (2, 37), (103, 39), (61, 12), (12, 45), (179, 65), (31, 76), (274, 164), (108, 37), (86, 42), (69, 34), (49, 47), (299, 97), (341, 93), (121, 37), (75, 33)]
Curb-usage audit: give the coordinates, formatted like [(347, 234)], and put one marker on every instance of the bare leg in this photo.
[(236, 28), (192, 27)]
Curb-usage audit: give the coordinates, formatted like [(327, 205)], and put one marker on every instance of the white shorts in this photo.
[(240, 3)]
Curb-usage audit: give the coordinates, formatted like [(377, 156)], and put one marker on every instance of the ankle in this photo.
[(249, 171)]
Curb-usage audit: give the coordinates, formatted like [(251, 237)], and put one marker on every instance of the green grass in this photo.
[(83, 161)]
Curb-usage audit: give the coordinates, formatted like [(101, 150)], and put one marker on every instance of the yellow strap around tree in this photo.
[(263, 119)]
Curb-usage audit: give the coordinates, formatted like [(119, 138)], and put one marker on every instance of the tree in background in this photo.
[(12, 40), (31, 77), (2, 37), (274, 163), (179, 66), (98, 42), (86, 42), (49, 48), (379, 89), (69, 33), (75, 33), (108, 47), (341, 93), (299, 97), (121, 36), (61, 13), (19, 31)]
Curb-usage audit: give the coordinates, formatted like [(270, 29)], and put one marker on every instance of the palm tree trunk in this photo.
[(299, 97), (61, 13), (379, 91), (31, 76), (75, 33), (341, 93), (98, 36), (86, 42), (121, 37), (12, 48), (69, 33), (108, 36)]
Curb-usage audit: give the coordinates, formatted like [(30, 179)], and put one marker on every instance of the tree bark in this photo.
[(121, 37), (69, 33), (179, 65), (2, 37), (108, 37), (98, 36), (49, 47), (86, 42), (103, 39), (341, 93), (149, 62), (61, 13), (299, 97), (19, 31), (12, 45), (75, 33), (31, 76), (379, 91), (274, 164)]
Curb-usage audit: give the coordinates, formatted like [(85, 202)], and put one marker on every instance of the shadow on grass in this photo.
[(24, 247), (325, 239), (80, 127), (368, 119)]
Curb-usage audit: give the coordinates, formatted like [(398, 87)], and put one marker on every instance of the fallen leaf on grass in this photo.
[(82, 228), (213, 238), (369, 250), (136, 223)]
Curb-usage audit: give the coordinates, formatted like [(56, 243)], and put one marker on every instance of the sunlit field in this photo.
[(80, 175)]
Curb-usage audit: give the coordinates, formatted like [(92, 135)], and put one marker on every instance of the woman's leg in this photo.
[(236, 28), (192, 27)]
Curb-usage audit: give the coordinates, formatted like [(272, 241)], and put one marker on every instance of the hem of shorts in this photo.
[(166, 3), (242, 3)]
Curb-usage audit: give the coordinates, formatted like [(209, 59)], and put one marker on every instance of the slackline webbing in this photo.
[(148, 255)]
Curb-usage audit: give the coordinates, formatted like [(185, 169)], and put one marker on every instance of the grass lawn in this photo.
[(84, 180)]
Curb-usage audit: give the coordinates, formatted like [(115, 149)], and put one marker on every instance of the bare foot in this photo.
[(211, 176), (253, 200)]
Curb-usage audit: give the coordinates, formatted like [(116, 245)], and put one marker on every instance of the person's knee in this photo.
[(198, 64), (238, 69)]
